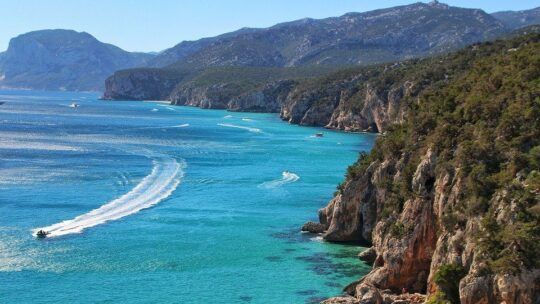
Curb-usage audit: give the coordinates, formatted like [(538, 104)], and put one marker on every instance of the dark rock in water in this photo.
[(274, 258), (308, 292), (369, 255), (246, 298), (292, 236), (332, 284), (313, 227)]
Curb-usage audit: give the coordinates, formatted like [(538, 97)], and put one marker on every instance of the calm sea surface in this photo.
[(149, 203)]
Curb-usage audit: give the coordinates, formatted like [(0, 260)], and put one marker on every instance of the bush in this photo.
[(447, 279), (397, 229)]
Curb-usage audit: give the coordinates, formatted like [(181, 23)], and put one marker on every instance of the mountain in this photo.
[(384, 35), (449, 197), (519, 19), (188, 48), (355, 38), (62, 60)]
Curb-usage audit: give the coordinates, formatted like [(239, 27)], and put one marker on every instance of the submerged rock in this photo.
[(313, 227)]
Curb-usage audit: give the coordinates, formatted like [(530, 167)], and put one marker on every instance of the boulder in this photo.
[(313, 227)]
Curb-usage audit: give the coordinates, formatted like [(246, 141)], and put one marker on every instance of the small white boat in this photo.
[(320, 134), (73, 105)]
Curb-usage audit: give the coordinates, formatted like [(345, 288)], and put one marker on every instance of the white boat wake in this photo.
[(157, 186), (165, 127), (286, 178), (254, 130)]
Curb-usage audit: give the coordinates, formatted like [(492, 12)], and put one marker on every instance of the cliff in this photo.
[(449, 197)]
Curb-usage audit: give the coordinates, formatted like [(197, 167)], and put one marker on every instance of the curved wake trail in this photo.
[(157, 186), (287, 177), (254, 130)]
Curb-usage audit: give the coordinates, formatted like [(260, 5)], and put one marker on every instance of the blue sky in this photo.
[(138, 25)]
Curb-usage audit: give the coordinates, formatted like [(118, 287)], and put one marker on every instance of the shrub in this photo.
[(447, 279)]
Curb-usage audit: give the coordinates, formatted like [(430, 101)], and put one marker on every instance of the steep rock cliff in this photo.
[(450, 196), (140, 85), (267, 98)]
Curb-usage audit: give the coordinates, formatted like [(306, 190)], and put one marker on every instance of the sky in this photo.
[(144, 25)]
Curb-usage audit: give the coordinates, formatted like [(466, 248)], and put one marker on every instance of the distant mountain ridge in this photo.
[(68, 60), (384, 35), (62, 60), (306, 40), (355, 38), (520, 18)]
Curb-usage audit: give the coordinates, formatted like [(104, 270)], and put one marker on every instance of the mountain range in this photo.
[(67, 60), (385, 35)]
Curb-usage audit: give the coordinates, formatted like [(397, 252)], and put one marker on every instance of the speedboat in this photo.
[(73, 105), (42, 234), (320, 134)]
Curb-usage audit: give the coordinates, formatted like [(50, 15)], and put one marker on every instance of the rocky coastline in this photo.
[(435, 233), (406, 198)]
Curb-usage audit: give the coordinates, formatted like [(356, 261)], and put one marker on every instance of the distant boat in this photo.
[(2, 102), (73, 105), (320, 134)]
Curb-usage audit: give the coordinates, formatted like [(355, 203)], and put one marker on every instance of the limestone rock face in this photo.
[(380, 109), (139, 86), (352, 214), (411, 245), (341, 300), (269, 99), (206, 97), (312, 107), (369, 255)]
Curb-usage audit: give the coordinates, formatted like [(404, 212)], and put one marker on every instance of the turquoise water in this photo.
[(197, 205)]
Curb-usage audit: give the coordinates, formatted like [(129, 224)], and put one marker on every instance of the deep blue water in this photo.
[(198, 204)]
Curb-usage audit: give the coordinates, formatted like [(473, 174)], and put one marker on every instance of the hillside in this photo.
[(385, 35), (62, 60), (519, 19), (450, 195)]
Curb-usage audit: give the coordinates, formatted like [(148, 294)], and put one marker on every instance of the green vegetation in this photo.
[(447, 279), (397, 229), (438, 298), (479, 111)]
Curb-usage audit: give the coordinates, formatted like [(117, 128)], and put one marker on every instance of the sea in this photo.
[(145, 202)]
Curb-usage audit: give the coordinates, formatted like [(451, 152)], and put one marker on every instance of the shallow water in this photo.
[(151, 203)]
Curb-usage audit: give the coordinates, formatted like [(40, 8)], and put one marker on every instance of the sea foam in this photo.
[(286, 178), (254, 130), (157, 186)]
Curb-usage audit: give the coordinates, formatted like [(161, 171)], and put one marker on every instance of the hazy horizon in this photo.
[(140, 26)]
